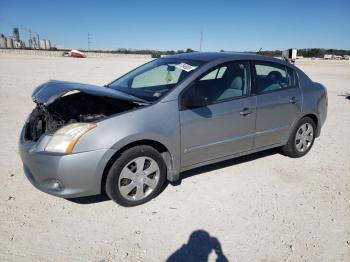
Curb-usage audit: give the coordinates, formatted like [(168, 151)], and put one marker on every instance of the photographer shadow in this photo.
[(200, 245)]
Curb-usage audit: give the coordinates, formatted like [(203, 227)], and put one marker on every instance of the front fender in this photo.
[(158, 122)]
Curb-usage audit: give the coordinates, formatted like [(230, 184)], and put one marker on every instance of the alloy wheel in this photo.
[(304, 137), (138, 178)]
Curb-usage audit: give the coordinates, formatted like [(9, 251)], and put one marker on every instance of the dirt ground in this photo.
[(264, 207)]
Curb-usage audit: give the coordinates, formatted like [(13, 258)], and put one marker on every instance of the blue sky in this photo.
[(234, 25)]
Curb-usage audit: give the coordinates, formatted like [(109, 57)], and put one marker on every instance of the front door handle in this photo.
[(245, 111), (293, 100)]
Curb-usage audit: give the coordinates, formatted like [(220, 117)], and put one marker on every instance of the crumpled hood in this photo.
[(48, 92)]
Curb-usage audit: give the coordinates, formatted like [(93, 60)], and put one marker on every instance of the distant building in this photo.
[(47, 44), (42, 44), (34, 44), (14, 41), (9, 42), (30, 43), (3, 41), (15, 34), (17, 44)]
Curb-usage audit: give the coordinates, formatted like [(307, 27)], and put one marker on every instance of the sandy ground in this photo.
[(265, 207)]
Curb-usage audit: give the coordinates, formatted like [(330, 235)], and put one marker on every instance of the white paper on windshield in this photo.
[(186, 67)]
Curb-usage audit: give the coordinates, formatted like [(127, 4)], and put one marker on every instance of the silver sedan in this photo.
[(170, 115)]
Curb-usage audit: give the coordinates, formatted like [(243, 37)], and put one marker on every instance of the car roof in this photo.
[(211, 56)]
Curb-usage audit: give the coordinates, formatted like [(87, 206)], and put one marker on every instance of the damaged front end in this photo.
[(39, 122), (62, 103)]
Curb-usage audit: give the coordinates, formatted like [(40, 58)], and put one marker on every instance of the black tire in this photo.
[(290, 149), (111, 186)]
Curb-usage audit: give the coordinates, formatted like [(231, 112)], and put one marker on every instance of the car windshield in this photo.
[(155, 79)]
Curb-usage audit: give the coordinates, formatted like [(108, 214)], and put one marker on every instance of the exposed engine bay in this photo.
[(72, 108)]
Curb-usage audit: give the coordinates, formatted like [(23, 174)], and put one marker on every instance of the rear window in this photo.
[(272, 77)]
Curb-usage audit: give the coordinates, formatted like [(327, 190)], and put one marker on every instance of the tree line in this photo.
[(306, 52)]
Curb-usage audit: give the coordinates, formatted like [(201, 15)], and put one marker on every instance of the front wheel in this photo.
[(136, 176), (301, 139)]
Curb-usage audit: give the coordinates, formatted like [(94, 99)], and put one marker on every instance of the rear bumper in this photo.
[(67, 176)]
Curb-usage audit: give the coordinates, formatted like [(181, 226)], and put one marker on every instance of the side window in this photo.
[(215, 74), (223, 83), (271, 77)]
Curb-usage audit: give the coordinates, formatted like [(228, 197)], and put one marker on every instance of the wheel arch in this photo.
[(314, 118), (172, 174)]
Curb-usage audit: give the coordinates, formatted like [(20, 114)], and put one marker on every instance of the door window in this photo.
[(224, 83), (271, 77), (215, 74)]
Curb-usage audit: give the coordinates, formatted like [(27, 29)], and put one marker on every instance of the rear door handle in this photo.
[(245, 111), (293, 100)]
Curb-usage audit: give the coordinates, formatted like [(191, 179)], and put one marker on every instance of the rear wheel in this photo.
[(301, 139), (136, 176)]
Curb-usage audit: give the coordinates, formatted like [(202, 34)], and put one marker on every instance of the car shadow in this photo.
[(198, 248), (226, 163), (89, 199), (346, 96)]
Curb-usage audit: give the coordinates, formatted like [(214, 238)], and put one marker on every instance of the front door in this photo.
[(226, 125)]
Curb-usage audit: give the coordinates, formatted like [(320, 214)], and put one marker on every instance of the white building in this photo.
[(47, 44)]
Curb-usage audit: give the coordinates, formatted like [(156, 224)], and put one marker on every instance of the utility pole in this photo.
[(200, 40), (89, 41)]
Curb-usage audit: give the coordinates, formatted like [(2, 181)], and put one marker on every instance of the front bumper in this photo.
[(67, 176)]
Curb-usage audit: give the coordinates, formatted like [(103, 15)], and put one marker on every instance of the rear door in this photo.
[(227, 125), (278, 102)]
